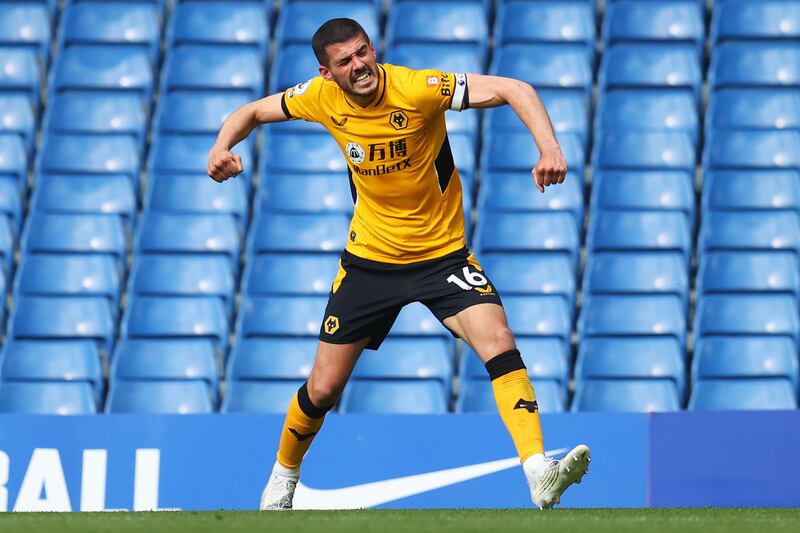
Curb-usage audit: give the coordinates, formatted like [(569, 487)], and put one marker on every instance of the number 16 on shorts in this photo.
[(471, 279)]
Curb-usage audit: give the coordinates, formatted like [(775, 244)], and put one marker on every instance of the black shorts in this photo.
[(367, 296)]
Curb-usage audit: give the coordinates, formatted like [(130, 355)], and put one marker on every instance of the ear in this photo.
[(325, 72)]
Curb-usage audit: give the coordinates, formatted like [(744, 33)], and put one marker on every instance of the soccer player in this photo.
[(406, 240)]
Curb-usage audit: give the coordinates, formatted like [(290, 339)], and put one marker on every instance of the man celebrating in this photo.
[(406, 241)]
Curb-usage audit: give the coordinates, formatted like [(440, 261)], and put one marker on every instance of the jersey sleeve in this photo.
[(435, 91), (303, 100)]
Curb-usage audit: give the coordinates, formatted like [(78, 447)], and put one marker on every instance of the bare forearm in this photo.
[(237, 127), (530, 109)]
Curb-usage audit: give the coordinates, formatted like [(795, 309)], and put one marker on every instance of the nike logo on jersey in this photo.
[(530, 406), (299, 436), (380, 492)]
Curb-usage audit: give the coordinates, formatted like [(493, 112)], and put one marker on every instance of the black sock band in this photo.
[(304, 401), (502, 364)]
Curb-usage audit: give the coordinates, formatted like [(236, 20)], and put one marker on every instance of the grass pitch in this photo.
[(436, 520)]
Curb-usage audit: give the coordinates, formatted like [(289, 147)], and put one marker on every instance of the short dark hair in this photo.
[(332, 32)]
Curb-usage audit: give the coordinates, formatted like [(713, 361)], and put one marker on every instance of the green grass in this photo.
[(439, 521)]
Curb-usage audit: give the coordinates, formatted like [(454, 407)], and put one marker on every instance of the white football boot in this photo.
[(279, 491), (550, 481)]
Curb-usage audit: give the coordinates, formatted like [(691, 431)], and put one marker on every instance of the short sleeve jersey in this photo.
[(406, 189)]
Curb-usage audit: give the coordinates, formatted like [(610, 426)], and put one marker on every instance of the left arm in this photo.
[(494, 91)]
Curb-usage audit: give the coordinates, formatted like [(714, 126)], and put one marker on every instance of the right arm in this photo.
[(224, 164)]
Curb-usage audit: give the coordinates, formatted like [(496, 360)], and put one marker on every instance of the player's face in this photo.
[(353, 65)]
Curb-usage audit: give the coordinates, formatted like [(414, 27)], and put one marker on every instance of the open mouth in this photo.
[(363, 78)]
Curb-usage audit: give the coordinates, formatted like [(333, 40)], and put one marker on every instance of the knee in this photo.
[(324, 391), (503, 340)]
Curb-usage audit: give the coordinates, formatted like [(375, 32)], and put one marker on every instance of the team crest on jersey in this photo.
[(398, 120), (298, 89), (355, 153), (331, 325)]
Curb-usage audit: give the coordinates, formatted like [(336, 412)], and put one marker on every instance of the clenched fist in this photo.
[(551, 169), (223, 164)]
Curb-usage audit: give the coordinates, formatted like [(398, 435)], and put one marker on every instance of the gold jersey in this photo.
[(405, 186)]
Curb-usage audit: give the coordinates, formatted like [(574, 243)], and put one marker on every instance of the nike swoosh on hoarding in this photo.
[(388, 490)]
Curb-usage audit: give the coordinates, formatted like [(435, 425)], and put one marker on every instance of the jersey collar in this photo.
[(380, 93)]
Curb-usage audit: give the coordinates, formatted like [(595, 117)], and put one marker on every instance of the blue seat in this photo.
[(745, 357), (177, 317), (221, 23), (448, 57), (655, 109), (52, 233), (299, 19), (198, 194), (644, 190), (499, 232), (672, 22), (183, 275), (561, 66), (315, 152), (293, 64), (159, 397), (463, 150), (280, 358), (90, 154), (617, 231), (188, 154), (745, 20), (11, 204), (113, 23), (63, 317), (516, 192), (97, 112), (747, 314), (750, 230), (733, 189), (742, 394), (626, 395), (210, 67), (539, 316), (6, 247), (83, 67), (477, 396), (109, 195), (544, 358), (168, 233), (68, 275), (517, 151), (636, 273), (271, 316), (737, 271), (415, 320), (649, 66), (195, 111), (48, 360), (646, 358), (17, 116), (310, 193), (750, 149), (260, 396), (318, 232), (166, 359), (531, 274), (303, 273), (408, 358), (644, 150), (20, 73), (464, 123), (390, 396), (46, 397), (744, 64), (634, 316), (753, 109), (13, 159), (26, 24)]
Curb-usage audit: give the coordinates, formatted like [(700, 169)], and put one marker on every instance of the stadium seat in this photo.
[(539, 316), (183, 275), (63, 317), (69, 275), (448, 57), (302, 273), (198, 194), (517, 151), (389, 396), (210, 67), (739, 271), (159, 397), (618, 231), (260, 396), (754, 109), (90, 154), (168, 233), (52, 233), (270, 316), (748, 149), (733, 189), (294, 63), (310, 193), (97, 112), (17, 116), (626, 395), (644, 150), (562, 66), (221, 23), (280, 358), (655, 109), (750, 230), (499, 232), (109, 195), (636, 273), (742, 394), (279, 232), (747, 314), (650, 66), (20, 73), (84, 67), (13, 160), (516, 192), (188, 154), (544, 360), (643, 190), (6, 247), (75, 361), (415, 320), (642, 22), (11, 204), (112, 23), (303, 152), (464, 123), (410, 359), (46, 397), (547, 22), (746, 20), (177, 317), (195, 111), (531, 274), (299, 19), (477, 396), (744, 64), (26, 24)]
